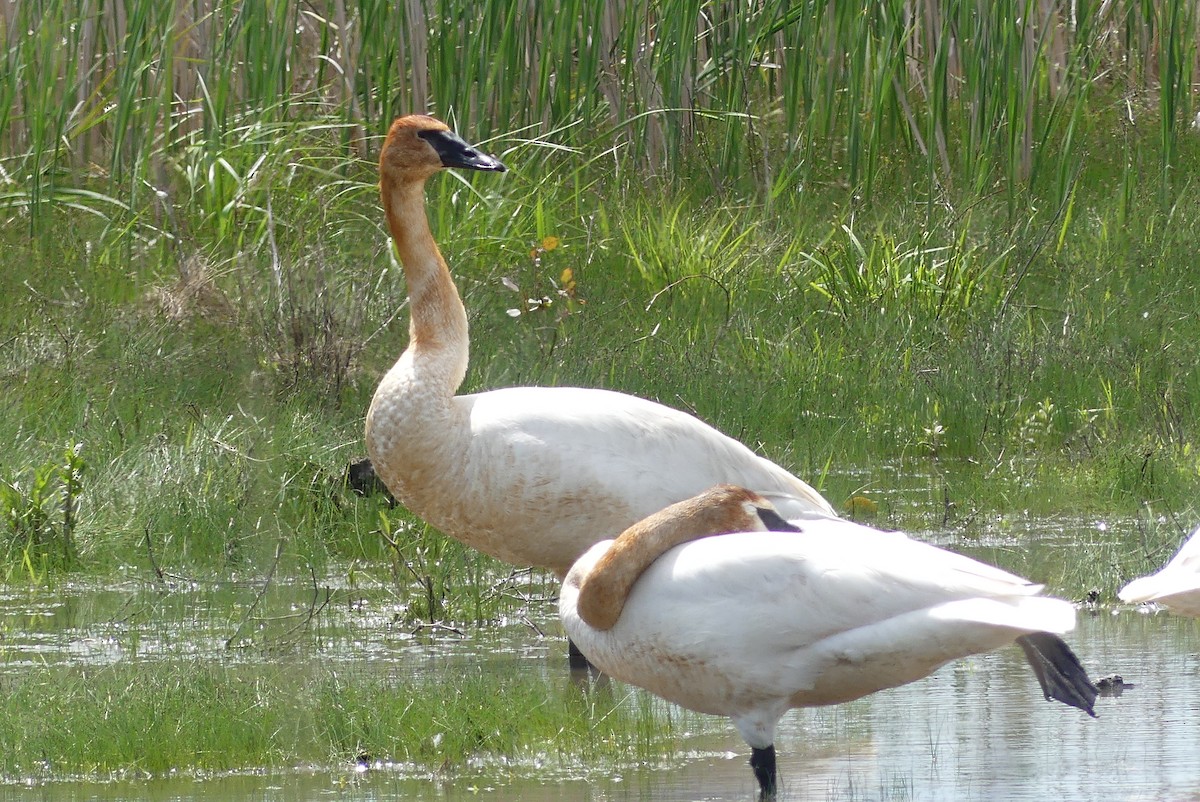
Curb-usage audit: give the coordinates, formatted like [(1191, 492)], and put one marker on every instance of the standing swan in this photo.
[(751, 624), (529, 475), (1177, 584)]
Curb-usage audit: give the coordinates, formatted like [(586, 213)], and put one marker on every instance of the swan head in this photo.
[(417, 146), (721, 510)]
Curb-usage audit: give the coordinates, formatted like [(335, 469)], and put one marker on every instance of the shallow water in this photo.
[(976, 730)]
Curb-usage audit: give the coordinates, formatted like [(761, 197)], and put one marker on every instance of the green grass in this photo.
[(204, 716), (1034, 362)]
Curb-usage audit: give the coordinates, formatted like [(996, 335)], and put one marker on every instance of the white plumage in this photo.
[(750, 624), (530, 475), (1176, 584)]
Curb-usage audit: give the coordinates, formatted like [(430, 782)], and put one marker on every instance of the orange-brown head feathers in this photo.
[(417, 146)]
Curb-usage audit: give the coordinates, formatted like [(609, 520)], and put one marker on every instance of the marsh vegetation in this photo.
[(937, 259)]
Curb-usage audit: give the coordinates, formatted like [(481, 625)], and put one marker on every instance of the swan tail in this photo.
[(1059, 671)]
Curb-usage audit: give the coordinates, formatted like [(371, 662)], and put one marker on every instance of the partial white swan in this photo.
[(751, 624), (529, 475), (1177, 584)]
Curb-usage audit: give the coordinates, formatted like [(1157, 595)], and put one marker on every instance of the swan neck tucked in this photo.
[(437, 318), (606, 587)]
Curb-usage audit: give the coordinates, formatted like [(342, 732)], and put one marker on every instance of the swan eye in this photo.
[(773, 521)]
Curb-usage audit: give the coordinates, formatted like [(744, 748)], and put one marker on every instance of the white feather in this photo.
[(749, 625), (1176, 584)]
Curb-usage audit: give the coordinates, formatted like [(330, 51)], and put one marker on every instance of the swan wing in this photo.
[(631, 442), (825, 580), (1176, 585), (591, 463)]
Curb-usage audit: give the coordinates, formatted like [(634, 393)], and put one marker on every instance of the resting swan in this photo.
[(1177, 584), (529, 475), (751, 624)]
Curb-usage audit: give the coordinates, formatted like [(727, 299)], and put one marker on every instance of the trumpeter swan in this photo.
[(529, 475), (751, 624), (1177, 584)]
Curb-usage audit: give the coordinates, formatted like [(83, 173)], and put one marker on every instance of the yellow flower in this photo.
[(567, 279), (861, 507), (549, 243)]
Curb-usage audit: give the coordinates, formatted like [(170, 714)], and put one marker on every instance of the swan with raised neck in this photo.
[(530, 475)]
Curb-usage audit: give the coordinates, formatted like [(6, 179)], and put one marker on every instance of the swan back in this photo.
[(537, 475)]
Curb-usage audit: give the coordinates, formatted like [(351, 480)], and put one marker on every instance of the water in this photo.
[(976, 730)]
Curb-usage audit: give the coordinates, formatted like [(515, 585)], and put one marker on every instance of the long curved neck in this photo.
[(605, 589), (438, 338)]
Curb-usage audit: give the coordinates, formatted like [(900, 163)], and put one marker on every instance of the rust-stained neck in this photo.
[(438, 320), (721, 510)]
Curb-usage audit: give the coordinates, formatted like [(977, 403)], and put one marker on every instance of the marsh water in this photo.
[(976, 730)]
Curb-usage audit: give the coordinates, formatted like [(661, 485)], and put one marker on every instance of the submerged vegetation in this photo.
[(937, 258)]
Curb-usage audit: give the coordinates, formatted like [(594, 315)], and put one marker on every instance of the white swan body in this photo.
[(1177, 584), (759, 622), (535, 475), (750, 624), (529, 475)]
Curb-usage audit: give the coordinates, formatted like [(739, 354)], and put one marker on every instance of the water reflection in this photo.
[(976, 730)]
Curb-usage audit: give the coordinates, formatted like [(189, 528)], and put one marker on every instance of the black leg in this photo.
[(763, 763), (583, 673), (575, 658)]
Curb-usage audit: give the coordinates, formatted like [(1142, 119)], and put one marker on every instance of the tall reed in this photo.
[(132, 90)]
